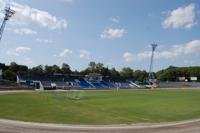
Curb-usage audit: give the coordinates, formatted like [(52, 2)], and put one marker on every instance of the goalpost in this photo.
[(74, 94)]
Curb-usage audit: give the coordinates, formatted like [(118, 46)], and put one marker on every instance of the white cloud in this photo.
[(64, 53), (2, 3), (24, 31), (112, 33), (44, 40), (22, 49), (115, 20), (192, 47), (12, 53), (84, 54), (128, 57), (182, 17), (26, 15), (18, 51)]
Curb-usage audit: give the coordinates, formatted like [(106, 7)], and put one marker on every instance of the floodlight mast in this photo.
[(151, 74), (8, 14)]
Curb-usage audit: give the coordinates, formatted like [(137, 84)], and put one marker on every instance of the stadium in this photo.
[(147, 89), (92, 81)]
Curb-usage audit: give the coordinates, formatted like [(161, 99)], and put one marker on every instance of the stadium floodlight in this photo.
[(151, 74), (8, 14)]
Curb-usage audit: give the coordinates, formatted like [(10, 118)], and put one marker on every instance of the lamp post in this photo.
[(8, 14), (151, 74)]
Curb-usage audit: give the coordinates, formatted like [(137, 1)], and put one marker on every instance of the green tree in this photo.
[(56, 69), (9, 75), (126, 73), (139, 75), (114, 74), (2, 66), (14, 67), (92, 66), (48, 69), (65, 69), (37, 70)]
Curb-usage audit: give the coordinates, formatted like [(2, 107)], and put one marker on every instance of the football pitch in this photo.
[(102, 107)]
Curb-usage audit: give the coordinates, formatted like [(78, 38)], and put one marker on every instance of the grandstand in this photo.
[(44, 81), (90, 81), (63, 81)]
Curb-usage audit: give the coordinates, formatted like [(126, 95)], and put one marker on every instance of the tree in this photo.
[(56, 69), (48, 69), (2, 66), (173, 73), (37, 70), (126, 73), (22, 68), (99, 67), (65, 69), (114, 74), (139, 75), (92, 66), (84, 72), (9, 75), (14, 67), (105, 72)]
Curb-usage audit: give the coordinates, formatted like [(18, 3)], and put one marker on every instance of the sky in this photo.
[(117, 33)]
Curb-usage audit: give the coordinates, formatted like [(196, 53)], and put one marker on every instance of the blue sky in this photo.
[(115, 32)]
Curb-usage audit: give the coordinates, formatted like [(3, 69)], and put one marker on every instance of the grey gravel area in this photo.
[(8, 126)]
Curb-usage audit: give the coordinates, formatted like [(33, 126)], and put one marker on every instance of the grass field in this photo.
[(102, 107)]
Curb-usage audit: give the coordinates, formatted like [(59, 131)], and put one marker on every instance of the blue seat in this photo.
[(84, 84)]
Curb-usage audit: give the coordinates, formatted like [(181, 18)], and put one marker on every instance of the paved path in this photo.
[(8, 126)]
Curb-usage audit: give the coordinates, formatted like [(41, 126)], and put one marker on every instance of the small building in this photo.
[(193, 79), (182, 79), (94, 77)]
